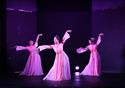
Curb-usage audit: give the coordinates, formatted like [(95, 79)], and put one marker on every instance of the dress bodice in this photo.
[(58, 48)]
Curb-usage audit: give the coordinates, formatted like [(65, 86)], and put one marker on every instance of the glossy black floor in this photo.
[(106, 80)]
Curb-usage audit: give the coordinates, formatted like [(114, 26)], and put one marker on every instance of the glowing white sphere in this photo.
[(77, 67)]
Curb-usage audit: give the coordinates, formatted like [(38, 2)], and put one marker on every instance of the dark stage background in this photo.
[(85, 18), (111, 21), (3, 65)]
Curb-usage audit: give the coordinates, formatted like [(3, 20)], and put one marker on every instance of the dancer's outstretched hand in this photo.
[(40, 34), (101, 34), (69, 31)]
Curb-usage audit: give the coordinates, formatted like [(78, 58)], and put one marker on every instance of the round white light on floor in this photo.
[(77, 73)]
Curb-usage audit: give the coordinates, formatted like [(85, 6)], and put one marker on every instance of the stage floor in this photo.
[(106, 80)]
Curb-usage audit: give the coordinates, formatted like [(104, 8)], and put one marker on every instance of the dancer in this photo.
[(94, 65), (61, 67), (33, 66)]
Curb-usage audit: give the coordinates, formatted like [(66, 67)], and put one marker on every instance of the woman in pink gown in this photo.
[(33, 66), (93, 67), (61, 67)]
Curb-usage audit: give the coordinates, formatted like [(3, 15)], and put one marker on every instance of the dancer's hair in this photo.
[(57, 37)]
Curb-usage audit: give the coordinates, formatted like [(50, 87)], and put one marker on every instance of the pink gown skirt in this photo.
[(33, 66), (94, 66), (60, 69)]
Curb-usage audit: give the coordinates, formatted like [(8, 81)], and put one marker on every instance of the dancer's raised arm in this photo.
[(66, 36), (37, 38), (99, 38)]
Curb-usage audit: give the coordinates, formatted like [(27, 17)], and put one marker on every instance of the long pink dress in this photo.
[(61, 67), (33, 66), (93, 67)]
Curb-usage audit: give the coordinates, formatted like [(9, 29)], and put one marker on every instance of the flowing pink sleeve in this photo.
[(20, 48), (81, 50), (98, 40), (65, 37), (43, 47)]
